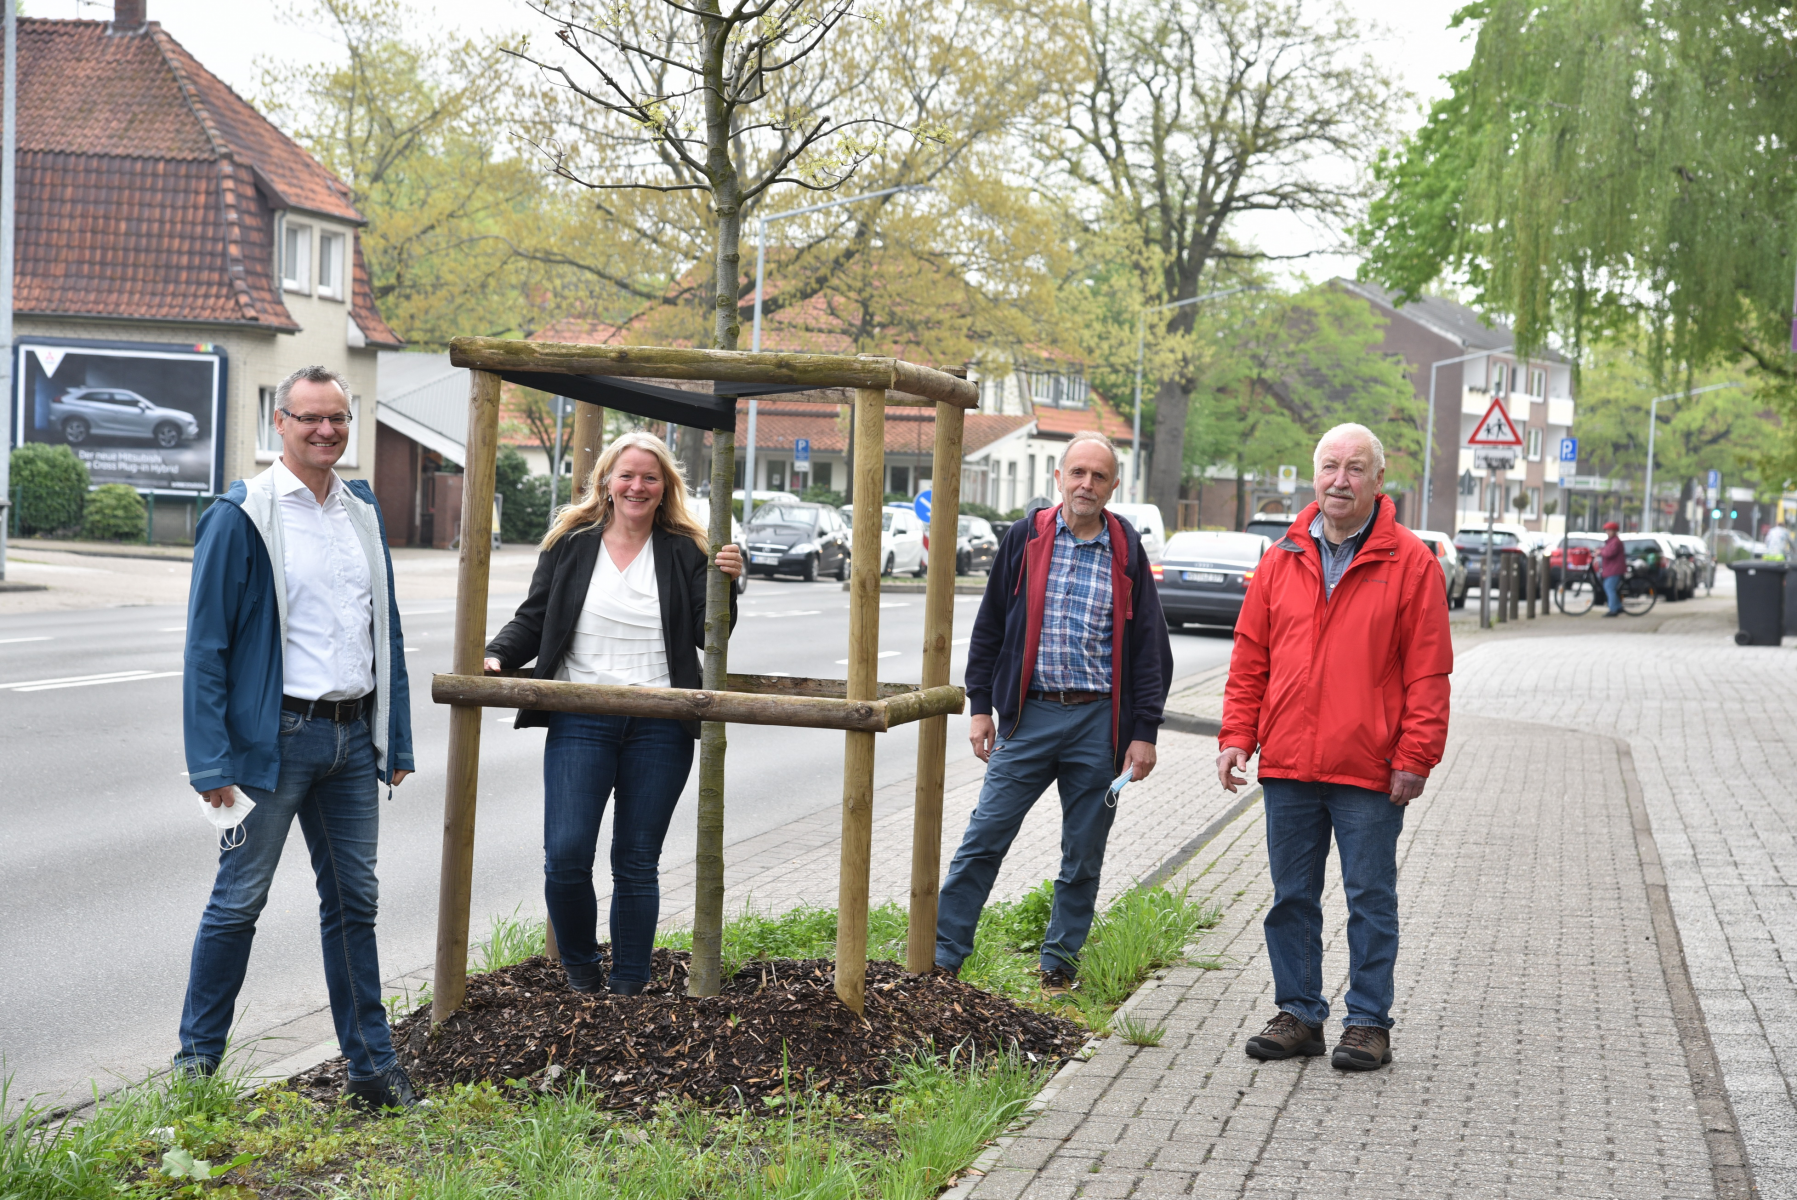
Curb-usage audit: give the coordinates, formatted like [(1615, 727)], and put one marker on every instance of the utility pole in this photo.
[(9, 144)]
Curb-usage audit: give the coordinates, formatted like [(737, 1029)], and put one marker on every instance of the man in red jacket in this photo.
[(1340, 678)]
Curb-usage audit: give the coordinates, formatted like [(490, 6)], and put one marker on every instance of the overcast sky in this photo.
[(230, 36)]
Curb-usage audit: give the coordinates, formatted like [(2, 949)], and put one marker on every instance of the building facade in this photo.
[(177, 256)]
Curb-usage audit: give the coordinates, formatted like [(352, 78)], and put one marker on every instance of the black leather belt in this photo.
[(340, 711), (1071, 697)]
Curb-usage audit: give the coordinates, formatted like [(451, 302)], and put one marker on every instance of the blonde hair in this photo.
[(595, 507)]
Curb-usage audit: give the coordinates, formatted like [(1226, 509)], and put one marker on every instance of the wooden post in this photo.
[(705, 977), (864, 657), (589, 444), (456, 877), (932, 734)]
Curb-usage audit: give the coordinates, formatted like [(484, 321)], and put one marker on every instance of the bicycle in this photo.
[(1638, 595), (1578, 591)]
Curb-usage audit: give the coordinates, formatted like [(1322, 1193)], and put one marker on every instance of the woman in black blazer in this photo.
[(618, 597)]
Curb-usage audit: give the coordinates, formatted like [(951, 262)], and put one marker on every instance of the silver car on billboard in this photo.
[(85, 412)]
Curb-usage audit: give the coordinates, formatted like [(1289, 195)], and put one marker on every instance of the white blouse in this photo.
[(617, 638)]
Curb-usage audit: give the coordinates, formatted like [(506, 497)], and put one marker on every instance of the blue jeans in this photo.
[(328, 781), (1613, 592), (1300, 817), (1065, 743), (645, 760)]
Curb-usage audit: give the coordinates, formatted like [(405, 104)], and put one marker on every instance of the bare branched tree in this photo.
[(1174, 119)]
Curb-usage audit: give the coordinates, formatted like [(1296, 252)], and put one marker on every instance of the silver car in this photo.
[(83, 412)]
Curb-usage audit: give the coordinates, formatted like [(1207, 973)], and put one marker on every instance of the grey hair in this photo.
[(1350, 430), (1092, 435), (312, 374)]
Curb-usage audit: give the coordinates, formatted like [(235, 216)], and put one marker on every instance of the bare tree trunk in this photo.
[(690, 450), (1241, 500), (706, 977), (1171, 407)]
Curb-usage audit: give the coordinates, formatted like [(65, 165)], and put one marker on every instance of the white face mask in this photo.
[(228, 821)]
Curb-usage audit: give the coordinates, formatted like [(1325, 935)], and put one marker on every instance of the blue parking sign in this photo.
[(1569, 450), (921, 506), (801, 452)]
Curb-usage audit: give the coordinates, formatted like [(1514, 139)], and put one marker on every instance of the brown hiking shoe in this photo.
[(1056, 982), (1362, 1048), (1286, 1037)]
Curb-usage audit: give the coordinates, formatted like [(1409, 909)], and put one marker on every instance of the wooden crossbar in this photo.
[(697, 704), (719, 366)]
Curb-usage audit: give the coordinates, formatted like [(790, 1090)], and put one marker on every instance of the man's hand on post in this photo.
[(1405, 787), (1139, 760), (982, 733), (1233, 759)]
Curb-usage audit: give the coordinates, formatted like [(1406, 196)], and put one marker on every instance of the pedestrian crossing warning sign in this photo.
[(1495, 428)]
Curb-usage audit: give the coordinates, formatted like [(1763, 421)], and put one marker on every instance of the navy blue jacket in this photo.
[(232, 677), (1007, 633)]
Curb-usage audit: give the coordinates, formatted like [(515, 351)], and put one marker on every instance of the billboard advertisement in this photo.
[(146, 415)]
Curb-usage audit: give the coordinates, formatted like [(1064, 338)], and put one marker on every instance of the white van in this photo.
[(1148, 523)]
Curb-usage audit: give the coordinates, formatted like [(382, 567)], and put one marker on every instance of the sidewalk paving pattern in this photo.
[(1535, 1051)]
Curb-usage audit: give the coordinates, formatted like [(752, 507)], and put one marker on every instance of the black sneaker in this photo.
[(1286, 1037), (586, 978), (392, 1088), (1362, 1048), (1057, 982)]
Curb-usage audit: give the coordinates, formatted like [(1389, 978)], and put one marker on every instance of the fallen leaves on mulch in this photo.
[(776, 1021)]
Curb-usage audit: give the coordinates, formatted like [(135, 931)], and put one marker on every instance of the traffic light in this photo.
[(1732, 514), (1715, 514)]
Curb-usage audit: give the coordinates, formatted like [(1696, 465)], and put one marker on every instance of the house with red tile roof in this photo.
[(162, 219)]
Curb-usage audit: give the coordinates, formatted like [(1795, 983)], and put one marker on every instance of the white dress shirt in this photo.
[(617, 637), (329, 653)]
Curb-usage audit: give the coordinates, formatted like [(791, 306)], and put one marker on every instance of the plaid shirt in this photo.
[(1075, 652)]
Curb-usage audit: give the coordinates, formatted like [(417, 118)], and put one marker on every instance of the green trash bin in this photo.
[(1759, 601)]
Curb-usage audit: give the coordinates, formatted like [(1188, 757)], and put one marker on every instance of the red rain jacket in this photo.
[(1343, 689)]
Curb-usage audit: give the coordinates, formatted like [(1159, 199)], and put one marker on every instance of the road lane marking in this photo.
[(843, 662), (173, 629), (961, 641), (13, 641), (74, 679), (797, 612), (132, 678), (895, 604)]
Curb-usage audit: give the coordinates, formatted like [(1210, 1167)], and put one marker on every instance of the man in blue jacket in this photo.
[(294, 691), (1070, 652)]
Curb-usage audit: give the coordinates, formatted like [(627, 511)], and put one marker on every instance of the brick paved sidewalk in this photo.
[(1536, 1051)]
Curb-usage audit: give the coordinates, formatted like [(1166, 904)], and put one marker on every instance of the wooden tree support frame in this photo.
[(859, 705)]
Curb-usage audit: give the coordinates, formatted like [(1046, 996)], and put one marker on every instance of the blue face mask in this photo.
[(228, 821), (1114, 793)]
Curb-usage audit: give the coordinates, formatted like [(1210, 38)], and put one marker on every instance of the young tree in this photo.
[(1172, 121), (713, 103)]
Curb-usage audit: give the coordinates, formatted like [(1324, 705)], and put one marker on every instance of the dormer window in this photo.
[(331, 258), (296, 257)]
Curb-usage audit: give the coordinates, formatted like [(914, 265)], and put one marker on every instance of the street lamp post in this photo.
[(1653, 408), (1135, 426), (761, 224)]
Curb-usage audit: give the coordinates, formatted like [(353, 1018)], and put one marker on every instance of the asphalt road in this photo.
[(105, 866)]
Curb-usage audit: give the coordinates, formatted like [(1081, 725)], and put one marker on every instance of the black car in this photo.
[(977, 547), (1205, 575), (797, 539), (1470, 542)]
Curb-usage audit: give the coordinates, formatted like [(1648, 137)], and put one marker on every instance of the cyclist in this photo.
[(1612, 565)]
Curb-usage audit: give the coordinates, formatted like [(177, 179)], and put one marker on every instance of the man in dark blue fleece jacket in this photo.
[(1070, 653)]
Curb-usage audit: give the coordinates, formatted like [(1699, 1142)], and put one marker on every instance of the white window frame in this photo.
[(1536, 438), (296, 276), (332, 260), (1538, 384)]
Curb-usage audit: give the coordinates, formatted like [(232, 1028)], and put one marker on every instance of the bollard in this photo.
[(1516, 570), (1533, 583), (1503, 588)]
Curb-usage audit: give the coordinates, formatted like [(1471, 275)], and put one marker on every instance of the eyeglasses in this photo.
[(337, 420)]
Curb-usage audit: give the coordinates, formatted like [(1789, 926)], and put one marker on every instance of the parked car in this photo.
[(1579, 550), (1205, 575), (901, 540), (1271, 526), (976, 547), (700, 508), (1703, 562), (82, 412), (1672, 576), (1470, 541), (1453, 571), (1148, 525), (1733, 545), (796, 538)]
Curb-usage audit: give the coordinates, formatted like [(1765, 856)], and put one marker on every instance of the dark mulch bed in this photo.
[(777, 1021)]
